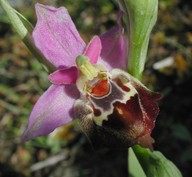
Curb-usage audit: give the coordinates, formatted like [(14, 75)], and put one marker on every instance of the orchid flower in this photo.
[(90, 84)]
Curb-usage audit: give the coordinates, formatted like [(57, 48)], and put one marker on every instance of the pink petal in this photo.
[(64, 76), (53, 109), (114, 51), (56, 36), (93, 49)]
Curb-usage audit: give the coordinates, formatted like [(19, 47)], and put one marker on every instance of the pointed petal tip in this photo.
[(26, 137), (95, 38), (30, 134), (146, 141), (93, 49), (39, 6), (158, 96), (52, 110)]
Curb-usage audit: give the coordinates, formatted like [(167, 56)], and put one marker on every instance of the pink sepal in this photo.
[(53, 109)]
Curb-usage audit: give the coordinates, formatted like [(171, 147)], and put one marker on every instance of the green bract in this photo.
[(140, 17), (155, 164)]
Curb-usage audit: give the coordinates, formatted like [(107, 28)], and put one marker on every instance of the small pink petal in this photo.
[(56, 36), (64, 76), (114, 53), (93, 49), (53, 109)]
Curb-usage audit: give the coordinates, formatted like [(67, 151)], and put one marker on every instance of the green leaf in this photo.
[(155, 163), (135, 169), (25, 22), (14, 19)]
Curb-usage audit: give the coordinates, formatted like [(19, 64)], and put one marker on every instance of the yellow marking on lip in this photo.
[(119, 111)]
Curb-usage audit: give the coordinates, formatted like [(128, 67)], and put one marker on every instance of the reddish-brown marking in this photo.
[(97, 112), (101, 88), (120, 84)]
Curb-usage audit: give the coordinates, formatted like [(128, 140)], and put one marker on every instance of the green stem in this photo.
[(140, 17), (137, 55)]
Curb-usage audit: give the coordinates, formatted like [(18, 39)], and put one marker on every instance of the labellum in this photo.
[(115, 110)]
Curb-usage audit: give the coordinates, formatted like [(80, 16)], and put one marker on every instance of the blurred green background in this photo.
[(67, 152)]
